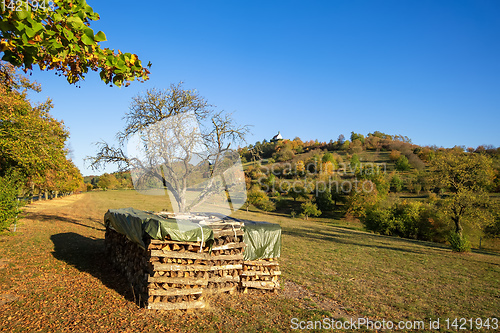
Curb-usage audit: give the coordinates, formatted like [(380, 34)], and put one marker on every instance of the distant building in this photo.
[(277, 137)]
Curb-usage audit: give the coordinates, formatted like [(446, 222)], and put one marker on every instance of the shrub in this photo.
[(359, 202), (458, 242), (324, 200), (413, 220), (432, 198), (285, 154), (415, 162), (298, 191), (355, 161), (379, 220), (281, 202), (309, 209), (259, 199), (328, 157), (395, 154), (8, 201), (402, 164), (396, 183), (266, 205)]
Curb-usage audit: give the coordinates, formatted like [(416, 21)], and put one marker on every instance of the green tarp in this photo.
[(135, 224), (262, 239)]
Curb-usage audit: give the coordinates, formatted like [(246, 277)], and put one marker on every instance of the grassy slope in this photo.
[(388, 277), (381, 158), (57, 270)]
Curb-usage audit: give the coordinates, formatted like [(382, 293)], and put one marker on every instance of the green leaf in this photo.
[(19, 26), (12, 58), (89, 32), (28, 60), (121, 65), (30, 32), (22, 14), (37, 26), (87, 40), (76, 22), (57, 17), (69, 35), (89, 9), (56, 45), (118, 80), (100, 37)]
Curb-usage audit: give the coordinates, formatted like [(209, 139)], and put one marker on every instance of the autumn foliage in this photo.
[(32, 142)]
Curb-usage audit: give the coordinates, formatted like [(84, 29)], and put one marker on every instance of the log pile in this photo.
[(227, 257), (172, 275), (261, 274), (131, 260), (179, 274)]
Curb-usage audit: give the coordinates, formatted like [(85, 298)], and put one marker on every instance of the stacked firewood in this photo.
[(179, 275), (261, 274), (131, 260), (184, 271), (227, 257), (172, 275)]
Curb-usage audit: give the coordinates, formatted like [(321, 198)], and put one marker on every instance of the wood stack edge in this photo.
[(261, 274)]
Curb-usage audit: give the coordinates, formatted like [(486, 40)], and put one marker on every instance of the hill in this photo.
[(384, 182)]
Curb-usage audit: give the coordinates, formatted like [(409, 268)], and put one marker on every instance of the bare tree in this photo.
[(175, 140)]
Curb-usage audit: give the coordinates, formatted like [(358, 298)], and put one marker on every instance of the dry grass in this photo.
[(56, 270)]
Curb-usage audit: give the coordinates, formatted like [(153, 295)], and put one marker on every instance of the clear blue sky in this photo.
[(314, 69)]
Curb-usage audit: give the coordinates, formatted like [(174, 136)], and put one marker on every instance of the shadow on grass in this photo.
[(56, 217), (346, 236), (87, 255)]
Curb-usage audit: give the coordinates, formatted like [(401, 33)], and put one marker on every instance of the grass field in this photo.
[(53, 276)]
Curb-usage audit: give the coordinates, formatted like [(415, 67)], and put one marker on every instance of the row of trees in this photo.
[(109, 181), (33, 156)]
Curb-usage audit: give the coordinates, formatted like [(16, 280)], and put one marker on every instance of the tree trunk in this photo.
[(458, 226), (182, 205), (32, 192)]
